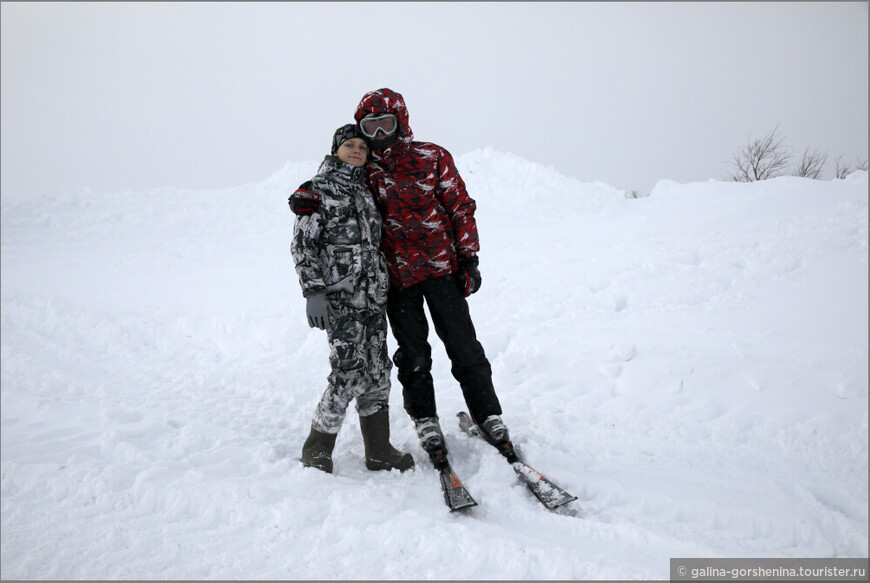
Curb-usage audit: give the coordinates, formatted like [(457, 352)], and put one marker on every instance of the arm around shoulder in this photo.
[(305, 200)]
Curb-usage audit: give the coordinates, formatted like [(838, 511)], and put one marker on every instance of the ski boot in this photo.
[(432, 440), (494, 430)]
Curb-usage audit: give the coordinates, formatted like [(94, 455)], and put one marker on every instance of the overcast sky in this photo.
[(117, 96)]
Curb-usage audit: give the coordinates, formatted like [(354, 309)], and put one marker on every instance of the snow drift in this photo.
[(692, 365)]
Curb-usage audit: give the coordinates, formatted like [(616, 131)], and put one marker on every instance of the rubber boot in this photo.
[(317, 450), (380, 455)]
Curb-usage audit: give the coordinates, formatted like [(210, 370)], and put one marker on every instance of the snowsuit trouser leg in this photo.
[(452, 321), (360, 367)]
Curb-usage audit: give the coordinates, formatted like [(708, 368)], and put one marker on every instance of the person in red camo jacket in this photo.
[(431, 245)]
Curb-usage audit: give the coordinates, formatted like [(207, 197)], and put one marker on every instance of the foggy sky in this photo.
[(117, 96)]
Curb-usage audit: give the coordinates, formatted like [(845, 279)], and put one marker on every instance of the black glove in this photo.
[(468, 276), (317, 310), (304, 201)]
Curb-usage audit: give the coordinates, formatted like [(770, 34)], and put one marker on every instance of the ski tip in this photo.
[(569, 508), (465, 506), (466, 424)]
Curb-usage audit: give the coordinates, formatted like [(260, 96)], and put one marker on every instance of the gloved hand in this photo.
[(317, 309), (345, 285), (304, 201), (468, 276), (317, 305)]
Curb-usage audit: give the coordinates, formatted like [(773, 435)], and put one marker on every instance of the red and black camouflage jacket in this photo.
[(428, 216)]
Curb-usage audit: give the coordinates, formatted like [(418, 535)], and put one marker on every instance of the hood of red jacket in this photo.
[(386, 101)]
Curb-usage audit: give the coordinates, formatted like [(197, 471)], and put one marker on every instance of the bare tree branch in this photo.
[(841, 171), (761, 159), (811, 165)]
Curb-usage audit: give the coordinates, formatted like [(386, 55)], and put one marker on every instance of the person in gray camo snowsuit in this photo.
[(344, 278)]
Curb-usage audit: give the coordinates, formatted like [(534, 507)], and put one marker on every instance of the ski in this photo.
[(548, 493), (456, 495)]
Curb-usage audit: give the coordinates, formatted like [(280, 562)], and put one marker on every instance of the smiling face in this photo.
[(353, 151)]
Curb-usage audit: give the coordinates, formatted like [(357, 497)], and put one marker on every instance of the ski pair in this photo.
[(456, 495)]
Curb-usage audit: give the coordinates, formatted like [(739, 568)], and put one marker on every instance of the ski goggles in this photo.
[(385, 123)]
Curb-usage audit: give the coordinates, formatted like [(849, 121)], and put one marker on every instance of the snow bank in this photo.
[(692, 365)]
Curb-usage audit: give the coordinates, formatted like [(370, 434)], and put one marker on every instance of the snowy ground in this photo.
[(692, 365)]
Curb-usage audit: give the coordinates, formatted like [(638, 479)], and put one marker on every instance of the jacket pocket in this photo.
[(342, 262), (380, 280)]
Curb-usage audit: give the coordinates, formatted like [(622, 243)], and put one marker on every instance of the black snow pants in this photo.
[(413, 359)]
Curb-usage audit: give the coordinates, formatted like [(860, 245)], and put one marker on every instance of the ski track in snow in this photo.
[(692, 365)]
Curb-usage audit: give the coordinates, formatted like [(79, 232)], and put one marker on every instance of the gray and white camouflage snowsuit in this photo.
[(342, 240)]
